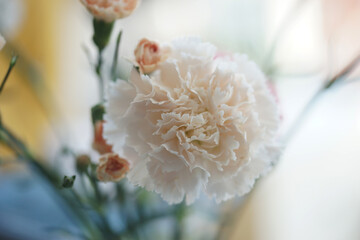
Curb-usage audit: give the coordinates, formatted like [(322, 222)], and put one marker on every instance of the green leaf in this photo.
[(116, 56)]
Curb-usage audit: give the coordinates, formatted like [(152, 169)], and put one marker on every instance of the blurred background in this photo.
[(314, 191)]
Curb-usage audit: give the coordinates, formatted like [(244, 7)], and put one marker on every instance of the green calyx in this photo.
[(97, 113), (102, 33)]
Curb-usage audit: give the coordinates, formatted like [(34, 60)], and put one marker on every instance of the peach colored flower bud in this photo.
[(82, 162), (112, 168), (110, 10), (148, 54), (2, 42), (99, 143)]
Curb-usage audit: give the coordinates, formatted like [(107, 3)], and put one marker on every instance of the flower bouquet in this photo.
[(188, 133)]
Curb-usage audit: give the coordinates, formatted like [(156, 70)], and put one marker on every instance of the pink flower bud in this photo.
[(110, 10), (112, 168), (149, 54), (99, 143)]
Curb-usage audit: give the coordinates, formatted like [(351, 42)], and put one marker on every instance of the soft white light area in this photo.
[(238, 25), (175, 17), (234, 25), (302, 48), (77, 90), (314, 192)]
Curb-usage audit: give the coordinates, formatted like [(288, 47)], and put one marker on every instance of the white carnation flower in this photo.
[(197, 123)]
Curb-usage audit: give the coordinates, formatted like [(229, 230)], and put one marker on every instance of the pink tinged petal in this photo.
[(110, 10)]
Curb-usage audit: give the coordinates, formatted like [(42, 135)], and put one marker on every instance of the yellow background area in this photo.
[(35, 41)]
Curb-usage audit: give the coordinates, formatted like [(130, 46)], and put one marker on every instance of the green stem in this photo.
[(85, 190), (116, 56), (328, 84), (11, 66), (133, 226), (48, 103), (99, 75), (101, 38), (95, 187), (180, 214), (302, 116), (98, 208), (51, 178)]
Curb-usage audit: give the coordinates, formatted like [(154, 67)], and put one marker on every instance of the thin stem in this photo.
[(84, 187), (101, 38), (133, 226), (345, 72), (97, 207), (116, 56), (95, 187), (180, 214), (47, 103), (328, 84), (11, 66), (99, 74), (302, 116)]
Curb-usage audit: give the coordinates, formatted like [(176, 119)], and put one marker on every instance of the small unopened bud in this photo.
[(99, 143), (149, 54), (82, 162), (68, 182), (112, 168)]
